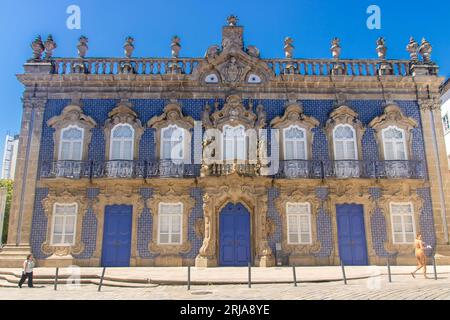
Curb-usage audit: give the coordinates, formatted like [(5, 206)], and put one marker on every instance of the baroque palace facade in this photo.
[(228, 159)]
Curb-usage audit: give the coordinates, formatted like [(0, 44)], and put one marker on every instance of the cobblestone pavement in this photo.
[(376, 288)]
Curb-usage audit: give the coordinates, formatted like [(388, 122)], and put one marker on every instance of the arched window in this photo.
[(122, 142), (394, 144), (344, 138), (294, 143), (234, 143), (71, 143), (172, 143)]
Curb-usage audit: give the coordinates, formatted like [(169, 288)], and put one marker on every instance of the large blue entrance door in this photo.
[(234, 242), (117, 236), (351, 234)]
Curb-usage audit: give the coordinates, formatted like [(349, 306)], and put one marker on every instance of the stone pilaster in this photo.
[(26, 173), (438, 172)]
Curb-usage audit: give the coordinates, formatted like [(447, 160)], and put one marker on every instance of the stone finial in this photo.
[(381, 48), (82, 46), (336, 48), (175, 46), (253, 51), (49, 45), (129, 47), (412, 48), (232, 20), (289, 47), (38, 48), (212, 52), (425, 50)]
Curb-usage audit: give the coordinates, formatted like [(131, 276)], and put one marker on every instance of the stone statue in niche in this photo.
[(206, 119), (261, 122)]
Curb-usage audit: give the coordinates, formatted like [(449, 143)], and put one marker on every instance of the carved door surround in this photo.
[(252, 193)]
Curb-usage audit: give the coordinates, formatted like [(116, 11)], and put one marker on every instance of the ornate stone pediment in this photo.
[(233, 65), (234, 113), (393, 116), (172, 115), (123, 114), (293, 115), (72, 115)]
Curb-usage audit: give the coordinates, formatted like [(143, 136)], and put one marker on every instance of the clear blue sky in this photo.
[(312, 24)]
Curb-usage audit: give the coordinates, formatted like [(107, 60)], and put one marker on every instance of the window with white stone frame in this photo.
[(170, 223), (122, 142), (298, 223), (64, 224), (172, 143), (394, 143), (234, 143), (295, 143), (403, 225), (71, 143), (345, 147)]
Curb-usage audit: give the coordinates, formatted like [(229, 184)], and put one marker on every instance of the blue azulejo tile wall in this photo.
[(98, 109), (89, 226), (39, 222)]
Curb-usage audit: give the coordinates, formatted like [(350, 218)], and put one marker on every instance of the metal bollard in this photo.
[(389, 270), (343, 272), (434, 267), (56, 279), (295, 276), (101, 280), (189, 278), (249, 275)]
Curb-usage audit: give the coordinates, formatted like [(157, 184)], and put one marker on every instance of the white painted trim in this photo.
[(299, 226), (170, 243), (403, 229), (64, 225)]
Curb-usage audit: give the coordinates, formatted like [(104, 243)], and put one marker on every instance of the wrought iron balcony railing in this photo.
[(288, 169), (345, 169), (118, 169)]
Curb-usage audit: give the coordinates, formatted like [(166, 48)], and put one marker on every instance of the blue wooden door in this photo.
[(351, 234), (117, 236), (234, 242)]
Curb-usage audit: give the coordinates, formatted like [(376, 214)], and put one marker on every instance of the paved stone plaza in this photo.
[(375, 287)]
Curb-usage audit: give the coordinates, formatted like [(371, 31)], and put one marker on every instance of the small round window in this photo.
[(212, 78), (253, 78)]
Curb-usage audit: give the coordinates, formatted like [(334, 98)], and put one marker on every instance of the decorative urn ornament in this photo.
[(381, 48), (175, 46), (38, 48), (129, 47), (336, 48), (82, 46), (49, 45), (413, 48), (289, 47), (232, 20), (425, 50)]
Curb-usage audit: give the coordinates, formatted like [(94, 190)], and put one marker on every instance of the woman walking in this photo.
[(419, 247), (27, 272)]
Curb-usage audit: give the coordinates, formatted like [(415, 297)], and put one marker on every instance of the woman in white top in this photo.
[(27, 271)]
